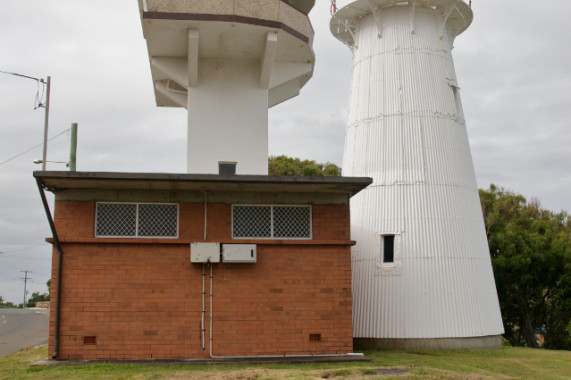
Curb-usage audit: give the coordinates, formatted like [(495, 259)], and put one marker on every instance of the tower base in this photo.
[(479, 342)]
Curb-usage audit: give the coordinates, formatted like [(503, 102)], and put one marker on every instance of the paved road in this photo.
[(22, 328)]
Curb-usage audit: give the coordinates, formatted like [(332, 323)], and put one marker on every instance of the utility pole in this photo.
[(46, 119), (73, 148), (26, 278)]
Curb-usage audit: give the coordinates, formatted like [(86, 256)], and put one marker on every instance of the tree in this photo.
[(531, 256), (37, 297), (288, 166), (5, 304)]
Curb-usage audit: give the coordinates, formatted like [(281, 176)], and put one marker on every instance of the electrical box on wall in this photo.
[(239, 253), (204, 252)]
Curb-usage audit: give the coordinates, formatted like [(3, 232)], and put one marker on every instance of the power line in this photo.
[(26, 249), (38, 104), (38, 101), (36, 258), (35, 147), (21, 75)]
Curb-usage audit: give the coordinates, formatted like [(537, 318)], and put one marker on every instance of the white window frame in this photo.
[(392, 268), (272, 237), (136, 236)]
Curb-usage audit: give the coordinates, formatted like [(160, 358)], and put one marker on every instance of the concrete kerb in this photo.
[(207, 362)]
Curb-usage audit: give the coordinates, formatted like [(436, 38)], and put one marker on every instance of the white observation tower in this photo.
[(422, 274), (226, 62)]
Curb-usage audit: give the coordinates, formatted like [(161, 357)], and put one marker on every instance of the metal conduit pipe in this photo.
[(205, 214), (59, 267), (202, 342), (261, 356)]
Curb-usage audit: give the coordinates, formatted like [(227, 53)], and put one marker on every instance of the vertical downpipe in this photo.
[(59, 268)]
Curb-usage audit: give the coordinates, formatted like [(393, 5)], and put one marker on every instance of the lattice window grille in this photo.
[(292, 222), (116, 219), (142, 220), (271, 222)]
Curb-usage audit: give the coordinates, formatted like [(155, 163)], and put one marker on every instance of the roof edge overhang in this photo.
[(56, 181)]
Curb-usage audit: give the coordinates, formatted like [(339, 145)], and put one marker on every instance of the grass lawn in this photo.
[(505, 363)]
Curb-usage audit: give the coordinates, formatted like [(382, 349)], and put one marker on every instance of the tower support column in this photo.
[(227, 62), (228, 118)]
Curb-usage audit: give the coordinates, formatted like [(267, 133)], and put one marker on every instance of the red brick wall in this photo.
[(142, 298)]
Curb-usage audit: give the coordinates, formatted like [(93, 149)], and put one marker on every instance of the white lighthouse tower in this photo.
[(226, 62), (422, 274)]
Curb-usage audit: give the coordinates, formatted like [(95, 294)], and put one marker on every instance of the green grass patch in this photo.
[(505, 363)]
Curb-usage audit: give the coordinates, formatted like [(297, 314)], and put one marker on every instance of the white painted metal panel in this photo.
[(239, 253), (204, 252), (406, 130)]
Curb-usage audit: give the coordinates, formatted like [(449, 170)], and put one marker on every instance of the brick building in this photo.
[(128, 289)]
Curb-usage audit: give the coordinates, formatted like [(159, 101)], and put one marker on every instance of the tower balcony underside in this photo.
[(184, 35), (455, 16)]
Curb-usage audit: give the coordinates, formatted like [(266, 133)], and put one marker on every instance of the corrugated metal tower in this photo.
[(422, 274), (226, 62)]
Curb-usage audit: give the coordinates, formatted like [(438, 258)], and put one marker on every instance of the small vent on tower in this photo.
[(227, 168), (90, 340), (315, 337)]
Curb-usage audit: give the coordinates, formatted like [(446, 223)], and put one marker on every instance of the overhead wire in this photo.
[(25, 249), (34, 147), (39, 97), (19, 75), (38, 101)]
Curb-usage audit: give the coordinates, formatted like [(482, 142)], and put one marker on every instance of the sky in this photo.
[(513, 66)]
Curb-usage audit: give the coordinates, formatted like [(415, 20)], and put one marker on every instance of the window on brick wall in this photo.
[(143, 220), (271, 222)]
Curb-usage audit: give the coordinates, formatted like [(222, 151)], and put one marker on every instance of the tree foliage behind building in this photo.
[(288, 166), (5, 304), (37, 297), (531, 256)]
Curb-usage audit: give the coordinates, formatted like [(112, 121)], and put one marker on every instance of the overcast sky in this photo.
[(513, 66)]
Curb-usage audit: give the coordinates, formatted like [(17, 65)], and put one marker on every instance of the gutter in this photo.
[(41, 189)]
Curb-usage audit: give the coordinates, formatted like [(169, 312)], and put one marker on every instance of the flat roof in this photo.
[(56, 181)]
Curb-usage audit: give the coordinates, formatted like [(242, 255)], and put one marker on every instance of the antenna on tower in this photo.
[(333, 8)]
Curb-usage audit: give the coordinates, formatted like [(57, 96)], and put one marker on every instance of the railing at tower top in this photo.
[(333, 7)]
